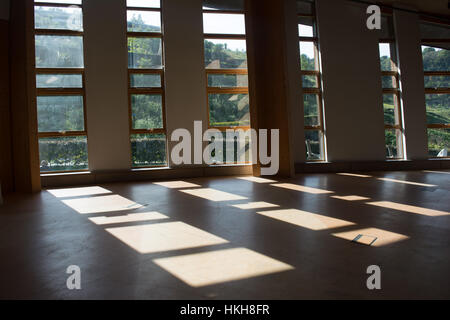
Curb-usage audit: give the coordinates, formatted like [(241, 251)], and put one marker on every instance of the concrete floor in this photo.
[(182, 241)]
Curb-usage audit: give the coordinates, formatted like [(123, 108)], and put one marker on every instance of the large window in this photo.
[(393, 124), (227, 77), (146, 83), (311, 82), (436, 65), (61, 103)]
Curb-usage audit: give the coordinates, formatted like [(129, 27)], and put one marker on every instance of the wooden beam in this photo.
[(23, 98), (6, 164), (268, 76)]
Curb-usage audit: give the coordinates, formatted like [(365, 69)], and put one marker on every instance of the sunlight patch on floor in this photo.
[(438, 172), (208, 268), (297, 187), (78, 192), (257, 179), (383, 237), (354, 175), (306, 219), (407, 182), (255, 205), (101, 204), (133, 217), (408, 208), (177, 184), (350, 198), (162, 237), (213, 194)]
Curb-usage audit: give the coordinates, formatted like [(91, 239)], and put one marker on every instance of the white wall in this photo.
[(4, 9), (106, 66), (412, 83), (296, 127), (351, 82), (184, 66)]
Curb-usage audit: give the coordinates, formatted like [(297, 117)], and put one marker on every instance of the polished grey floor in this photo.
[(188, 240)]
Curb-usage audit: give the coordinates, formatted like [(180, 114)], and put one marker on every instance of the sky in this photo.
[(225, 24)]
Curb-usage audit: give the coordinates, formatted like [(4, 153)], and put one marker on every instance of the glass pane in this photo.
[(60, 1), (220, 23), (310, 81), (307, 55), (147, 111), (234, 148), (225, 54), (304, 7), (435, 59), (143, 21), (59, 52), (144, 53), (226, 110), (306, 27), (437, 81), (393, 138), (232, 5), (145, 80), (389, 82), (438, 108), (311, 109), (227, 80), (148, 150), (387, 57), (60, 113), (59, 81), (438, 142), (390, 107), (58, 18), (144, 3), (314, 143), (63, 154)]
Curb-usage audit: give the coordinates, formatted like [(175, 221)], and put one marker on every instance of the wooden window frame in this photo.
[(317, 91), (225, 90), (394, 91), (148, 91), (42, 92)]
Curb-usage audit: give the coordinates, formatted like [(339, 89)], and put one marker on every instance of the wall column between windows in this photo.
[(272, 69), (407, 33), (106, 63), (23, 98), (185, 78), (351, 82)]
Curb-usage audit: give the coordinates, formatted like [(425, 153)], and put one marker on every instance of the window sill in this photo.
[(149, 169), (57, 174)]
